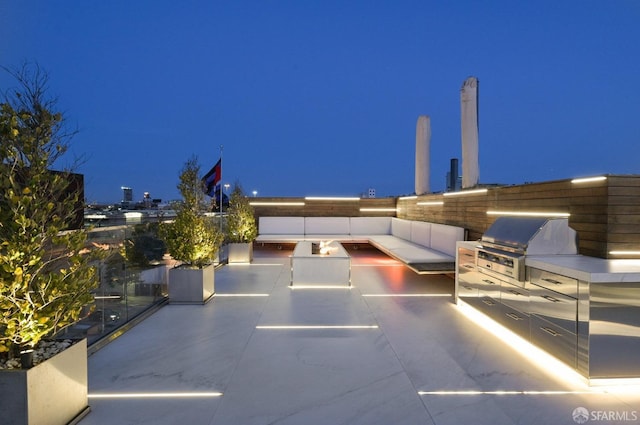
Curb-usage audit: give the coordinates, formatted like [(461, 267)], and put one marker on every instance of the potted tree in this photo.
[(241, 229), (192, 239), (46, 267)]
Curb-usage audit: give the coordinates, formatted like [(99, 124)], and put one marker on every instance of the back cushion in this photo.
[(444, 237), (421, 233), (326, 225), (401, 228), (370, 225), (281, 225)]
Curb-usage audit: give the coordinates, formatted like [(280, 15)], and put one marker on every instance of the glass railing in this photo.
[(132, 277)]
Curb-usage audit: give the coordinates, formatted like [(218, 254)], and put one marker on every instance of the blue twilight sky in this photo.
[(321, 97)]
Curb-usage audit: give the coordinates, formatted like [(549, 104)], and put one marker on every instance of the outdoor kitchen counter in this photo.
[(589, 269)]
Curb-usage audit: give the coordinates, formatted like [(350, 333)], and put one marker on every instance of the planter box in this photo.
[(51, 393), (240, 252), (191, 286)]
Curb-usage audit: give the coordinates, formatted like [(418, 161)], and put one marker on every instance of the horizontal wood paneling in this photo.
[(605, 214)]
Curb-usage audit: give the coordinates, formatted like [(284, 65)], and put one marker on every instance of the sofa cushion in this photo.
[(275, 238), (444, 238), (401, 228), (387, 242), (326, 225), (281, 226), (421, 233), (418, 254), (370, 225)]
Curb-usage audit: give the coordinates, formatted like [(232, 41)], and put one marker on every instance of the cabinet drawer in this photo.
[(466, 257), (555, 282), (514, 297), (555, 340), (555, 308), (467, 287), (516, 321), (488, 285)]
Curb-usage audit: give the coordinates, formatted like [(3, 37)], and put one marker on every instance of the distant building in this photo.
[(370, 193), (127, 194)]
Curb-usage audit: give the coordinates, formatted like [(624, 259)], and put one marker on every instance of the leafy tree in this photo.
[(46, 271), (241, 221), (144, 245), (192, 238)]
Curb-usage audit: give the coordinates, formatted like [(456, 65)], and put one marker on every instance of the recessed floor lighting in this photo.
[(406, 295), (156, 395), (503, 392), (320, 287), (302, 327)]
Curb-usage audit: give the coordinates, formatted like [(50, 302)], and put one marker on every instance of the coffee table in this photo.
[(311, 268)]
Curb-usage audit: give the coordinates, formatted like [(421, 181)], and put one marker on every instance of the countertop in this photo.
[(590, 269)]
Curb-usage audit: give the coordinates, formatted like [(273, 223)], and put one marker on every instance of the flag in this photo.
[(212, 178)]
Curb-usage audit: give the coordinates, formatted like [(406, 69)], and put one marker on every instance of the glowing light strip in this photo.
[(406, 295), (529, 213), (155, 395), (107, 297), (406, 198), (430, 203), (313, 327), (330, 198), (589, 179), (546, 361), (624, 252), (502, 392), (465, 192), (532, 353), (277, 204), (240, 295), (378, 209), (320, 286)]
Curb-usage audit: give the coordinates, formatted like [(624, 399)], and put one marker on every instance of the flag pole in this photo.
[(221, 186)]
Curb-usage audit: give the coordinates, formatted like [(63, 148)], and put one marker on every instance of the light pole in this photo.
[(255, 193)]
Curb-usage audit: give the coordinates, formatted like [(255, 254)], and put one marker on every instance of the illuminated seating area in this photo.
[(392, 348), (424, 247)]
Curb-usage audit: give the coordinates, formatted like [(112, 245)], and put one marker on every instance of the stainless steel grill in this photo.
[(509, 240)]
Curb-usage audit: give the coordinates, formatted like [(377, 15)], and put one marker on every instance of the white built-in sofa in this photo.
[(424, 247)]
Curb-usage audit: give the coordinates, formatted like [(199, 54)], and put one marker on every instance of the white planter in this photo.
[(240, 252), (52, 393), (191, 285)]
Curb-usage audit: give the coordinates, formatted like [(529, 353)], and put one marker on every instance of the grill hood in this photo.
[(531, 236)]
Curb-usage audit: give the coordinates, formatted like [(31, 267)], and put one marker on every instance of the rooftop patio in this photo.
[(392, 349)]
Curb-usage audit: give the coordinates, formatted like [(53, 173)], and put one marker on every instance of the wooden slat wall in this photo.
[(322, 208), (605, 214)]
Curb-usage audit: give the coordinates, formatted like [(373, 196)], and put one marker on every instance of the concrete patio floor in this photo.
[(393, 349)]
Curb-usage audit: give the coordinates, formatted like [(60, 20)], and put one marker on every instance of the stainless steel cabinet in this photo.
[(515, 309), (467, 275), (554, 314)]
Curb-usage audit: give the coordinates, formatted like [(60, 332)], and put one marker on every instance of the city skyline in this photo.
[(322, 98)]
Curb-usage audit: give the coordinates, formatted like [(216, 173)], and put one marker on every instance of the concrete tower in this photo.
[(469, 121), (423, 141)]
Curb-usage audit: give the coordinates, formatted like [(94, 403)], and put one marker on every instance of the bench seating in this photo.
[(424, 247)]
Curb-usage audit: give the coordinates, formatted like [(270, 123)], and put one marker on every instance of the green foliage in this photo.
[(192, 238), (241, 221), (46, 270), (144, 245)]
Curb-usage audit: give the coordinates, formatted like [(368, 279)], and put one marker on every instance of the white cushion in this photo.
[(421, 233), (370, 225), (281, 225), (444, 238), (416, 254), (401, 228), (326, 225)]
